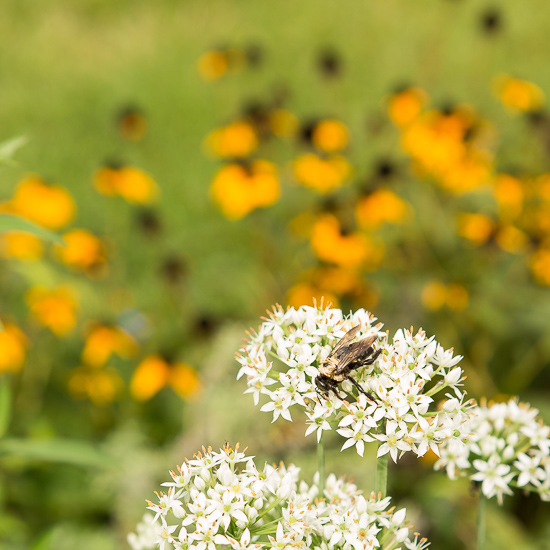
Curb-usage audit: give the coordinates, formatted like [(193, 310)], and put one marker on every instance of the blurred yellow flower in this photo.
[(238, 189), (540, 265), (55, 309), (436, 295), (103, 340), (213, 64), (100, 386), (283, 123), (154, 373), (50, 206), (382, 205), (236, 140), (442, 147), (509, 194), (12, 348), (149, 377), (307, 294), (132, 125), (130, 183), (477, 228), (330, 136), (511, 239), (433, 295), (517, 94), (406, 105), (185, 381), (83, 250), (352, 250), (21, 246), (321, 174), (457, 297)]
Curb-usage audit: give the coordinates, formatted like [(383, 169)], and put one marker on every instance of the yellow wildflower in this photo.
[(321, 174), (238, 189), (12, 348), (21, 246), (517, 94), (55, 309)]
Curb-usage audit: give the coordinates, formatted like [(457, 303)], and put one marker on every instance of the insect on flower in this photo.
[(344, 359)]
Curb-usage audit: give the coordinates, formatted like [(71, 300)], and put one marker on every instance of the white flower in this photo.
[(505, 442), (270, 509), (300, 340)]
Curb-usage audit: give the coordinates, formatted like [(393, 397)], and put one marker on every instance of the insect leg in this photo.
[(363, 391), (372, 359)]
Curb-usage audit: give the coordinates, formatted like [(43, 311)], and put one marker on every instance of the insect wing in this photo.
[(352, 352), (348, 337)]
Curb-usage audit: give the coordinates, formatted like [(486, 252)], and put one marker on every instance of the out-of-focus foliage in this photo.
[(204, 160)]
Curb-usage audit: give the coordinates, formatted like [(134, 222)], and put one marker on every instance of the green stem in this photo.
[(481, 523), (321, 466), (381, 485)]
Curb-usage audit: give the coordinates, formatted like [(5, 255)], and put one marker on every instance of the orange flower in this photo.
[(55, 309), (477, 228), (330, 136), (154, 373), (435, 295), (307, 294), (518, 95), (83, 250), (382, 205), (405, 106), (150, 376), (283, 123), (132, 124), (509, 195), (236, 140), (185, 381), (130, 183), (321, 174), (50, 206), (21, 246), (238, 189), (213, 65), (102, 341), (12, 348), (540, 265), (350, 250), (511, 239), (100, 386)]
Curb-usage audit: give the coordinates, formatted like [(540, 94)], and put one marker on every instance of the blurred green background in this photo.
[(185, 282)]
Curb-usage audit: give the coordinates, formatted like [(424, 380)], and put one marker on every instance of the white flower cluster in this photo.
[(212, 502), (281, 362), (508, 447)]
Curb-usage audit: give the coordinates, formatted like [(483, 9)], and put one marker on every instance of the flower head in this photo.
[(507, 447), (223, 499), (281, 362)]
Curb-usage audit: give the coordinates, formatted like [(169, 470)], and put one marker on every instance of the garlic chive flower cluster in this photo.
[(281, 360), (507, 447), (223, 501)]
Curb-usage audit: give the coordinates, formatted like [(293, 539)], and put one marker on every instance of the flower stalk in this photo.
[(381, 483), (481, 522), (321, 465)]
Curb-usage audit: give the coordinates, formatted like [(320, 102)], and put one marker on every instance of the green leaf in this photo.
[(10, 222), (44, 542), (9, 147), (65, 451), (5, 405)]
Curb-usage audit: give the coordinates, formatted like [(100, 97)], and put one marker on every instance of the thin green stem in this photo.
[(481, 522), (381, 484), (321, 465)]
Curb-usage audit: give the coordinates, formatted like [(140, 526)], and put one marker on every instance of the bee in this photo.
[(344, 359)]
